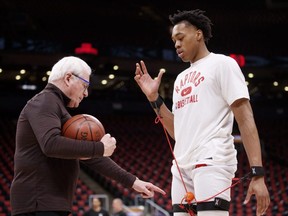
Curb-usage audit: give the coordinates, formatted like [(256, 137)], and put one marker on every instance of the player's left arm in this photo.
[(249, 134)]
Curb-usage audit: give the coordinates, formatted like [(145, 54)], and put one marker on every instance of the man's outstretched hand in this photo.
[(147, 189)]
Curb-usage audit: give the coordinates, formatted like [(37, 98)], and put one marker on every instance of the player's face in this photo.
[(186, 41)]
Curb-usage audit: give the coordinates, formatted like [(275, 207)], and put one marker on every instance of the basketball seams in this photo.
[(93, 135), (71, 123), (83, 123), (98, 124)]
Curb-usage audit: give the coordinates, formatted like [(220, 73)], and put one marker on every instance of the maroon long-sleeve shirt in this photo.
[(46, 164)]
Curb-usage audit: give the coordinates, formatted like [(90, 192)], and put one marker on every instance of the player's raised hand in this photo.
[(149, 86)]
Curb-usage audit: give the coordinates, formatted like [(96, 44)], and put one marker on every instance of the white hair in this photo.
[(68, 64)]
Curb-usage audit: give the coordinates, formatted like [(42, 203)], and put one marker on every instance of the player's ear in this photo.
[(199, 34)]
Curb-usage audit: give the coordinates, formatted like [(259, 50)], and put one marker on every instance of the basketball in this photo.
[(83, 127)]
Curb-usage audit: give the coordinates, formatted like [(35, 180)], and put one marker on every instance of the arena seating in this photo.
[(142, 148)]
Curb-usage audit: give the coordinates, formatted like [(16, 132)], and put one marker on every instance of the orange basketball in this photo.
[(83, 127)]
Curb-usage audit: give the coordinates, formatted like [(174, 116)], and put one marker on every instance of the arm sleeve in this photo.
[(233, 85), (109, 168), (45, 121)]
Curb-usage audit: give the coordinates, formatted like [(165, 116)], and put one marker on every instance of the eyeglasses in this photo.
[(84, 80)]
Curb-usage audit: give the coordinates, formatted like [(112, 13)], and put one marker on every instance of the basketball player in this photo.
[(206, 97), (46, 164)]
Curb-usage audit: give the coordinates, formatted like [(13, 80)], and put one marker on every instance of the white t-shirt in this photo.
[(203, 121)]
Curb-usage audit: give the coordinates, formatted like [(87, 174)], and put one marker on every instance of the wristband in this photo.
[(257, 171), (156, 104)]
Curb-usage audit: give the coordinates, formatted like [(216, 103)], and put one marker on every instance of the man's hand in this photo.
[(109, 144), (147, 189)]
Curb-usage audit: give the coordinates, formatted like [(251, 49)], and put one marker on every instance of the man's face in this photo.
[(78, 89)]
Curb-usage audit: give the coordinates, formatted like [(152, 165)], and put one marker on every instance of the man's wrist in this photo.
[(257, 171), (157, 103)]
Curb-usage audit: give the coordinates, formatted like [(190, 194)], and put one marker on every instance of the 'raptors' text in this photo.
[(193, 77), (185, 87)]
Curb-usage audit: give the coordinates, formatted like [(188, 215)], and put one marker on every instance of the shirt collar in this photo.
[(53, 88)]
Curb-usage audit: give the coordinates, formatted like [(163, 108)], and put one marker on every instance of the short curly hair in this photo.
[(195, 18)]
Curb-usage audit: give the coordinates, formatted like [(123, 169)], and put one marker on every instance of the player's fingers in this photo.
[(247, 198), (259, 209), (262, 205), (138, 69), (137, 77), (143, 66), (160, 74)]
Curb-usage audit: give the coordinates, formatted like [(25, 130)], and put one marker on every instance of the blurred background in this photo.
[(112, 36)]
